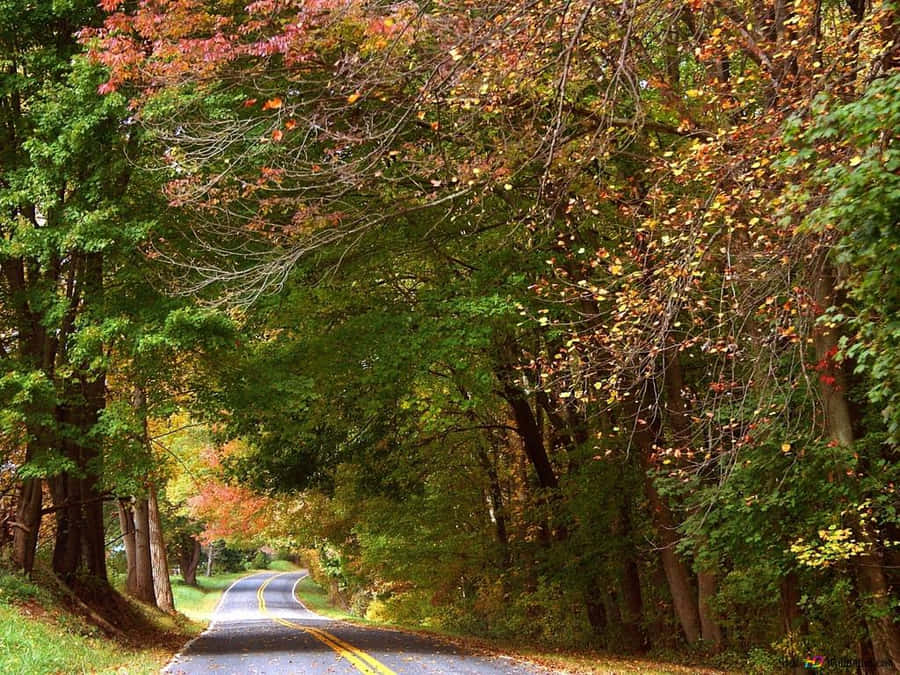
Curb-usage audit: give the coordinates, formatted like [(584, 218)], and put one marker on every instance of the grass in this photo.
[(316, 599), (40, 634)]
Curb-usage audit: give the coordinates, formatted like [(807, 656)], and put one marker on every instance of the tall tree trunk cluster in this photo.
[(147, 575), (60, 425), (147, 568)]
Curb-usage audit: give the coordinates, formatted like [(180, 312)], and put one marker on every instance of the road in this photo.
[(260, 627)]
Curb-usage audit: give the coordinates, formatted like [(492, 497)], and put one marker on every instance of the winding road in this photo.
[(260, 627)]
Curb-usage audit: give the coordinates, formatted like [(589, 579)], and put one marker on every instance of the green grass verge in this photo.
[(38, 635), (59, 644), (316, 599)]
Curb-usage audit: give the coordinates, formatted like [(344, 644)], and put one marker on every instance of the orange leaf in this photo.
[(277, 135), (272, 104)]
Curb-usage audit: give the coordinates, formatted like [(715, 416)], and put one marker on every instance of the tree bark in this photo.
[(209, 559), (709, 627), (80, 542), (28, 523), (632, 603), (143, 567), (162, 585), (683, 596), (189, 560), (126, 522)]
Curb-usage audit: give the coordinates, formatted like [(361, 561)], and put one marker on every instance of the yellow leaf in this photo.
[(856, 160), (785, 447), (353, 98)]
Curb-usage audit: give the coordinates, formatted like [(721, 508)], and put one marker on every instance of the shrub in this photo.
[(260, 561)]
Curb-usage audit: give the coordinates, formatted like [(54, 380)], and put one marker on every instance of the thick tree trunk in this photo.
[(870, 573), (709, 627), (530, 433), (70, 525), (28, 523), (79, 545), (80, 541), (162, 585), (189, 560), (596, 600), (676, 414), (143, 567), (126, 522)]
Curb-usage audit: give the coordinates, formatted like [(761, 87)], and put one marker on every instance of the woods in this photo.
[(570, 321)]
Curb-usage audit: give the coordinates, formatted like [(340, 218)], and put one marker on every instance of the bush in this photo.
[(260, 561)]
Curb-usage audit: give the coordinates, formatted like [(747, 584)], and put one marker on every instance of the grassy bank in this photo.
[(316, 599), (43, 630)]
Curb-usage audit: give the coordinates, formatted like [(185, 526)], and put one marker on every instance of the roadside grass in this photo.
[(316, 599), (199, 602), (40, 634), (282, 566)]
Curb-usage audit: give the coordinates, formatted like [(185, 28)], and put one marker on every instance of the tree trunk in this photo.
[(498, 509), (70, 525), (684, 598), (162, 585), (28, 523), (80, 541), (526, 422), (126, 522), (189, 560), (870, 574), (709, 627), (677, 575), (632, 603), (209, 560), (79, 544), (143, 568)]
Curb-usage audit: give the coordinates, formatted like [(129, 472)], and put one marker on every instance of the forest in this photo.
[(568, 322)]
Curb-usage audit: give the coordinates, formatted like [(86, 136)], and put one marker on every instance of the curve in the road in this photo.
[(260, 627), (365, 663)]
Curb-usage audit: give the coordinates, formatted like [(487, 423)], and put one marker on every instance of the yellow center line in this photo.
[(360, 659)]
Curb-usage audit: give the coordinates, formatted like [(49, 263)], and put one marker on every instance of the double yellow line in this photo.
[(363, 662)]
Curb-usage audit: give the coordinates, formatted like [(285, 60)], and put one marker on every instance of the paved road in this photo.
[(260, 627)]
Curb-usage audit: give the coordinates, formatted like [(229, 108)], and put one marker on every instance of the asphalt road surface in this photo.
[(260, 627)]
